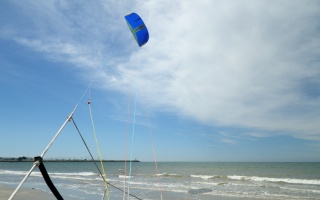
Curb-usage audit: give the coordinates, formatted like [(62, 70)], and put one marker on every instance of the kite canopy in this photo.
[(138, 28)]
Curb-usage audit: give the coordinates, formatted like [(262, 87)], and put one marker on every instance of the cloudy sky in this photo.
[(217, 81)]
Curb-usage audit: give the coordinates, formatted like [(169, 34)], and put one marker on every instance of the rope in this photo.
[(95, 75), (84, 142), (84, 93), (131, 149), (98, 149), (127, 136), (154, 154)]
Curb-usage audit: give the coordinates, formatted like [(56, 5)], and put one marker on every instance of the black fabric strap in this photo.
[(47, 178)]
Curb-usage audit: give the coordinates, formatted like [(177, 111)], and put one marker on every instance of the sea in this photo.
[(174, 180)]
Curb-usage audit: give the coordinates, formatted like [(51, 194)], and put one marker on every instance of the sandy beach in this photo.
[(23, 194)]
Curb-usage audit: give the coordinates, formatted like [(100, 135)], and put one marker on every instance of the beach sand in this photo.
[(23, 194)]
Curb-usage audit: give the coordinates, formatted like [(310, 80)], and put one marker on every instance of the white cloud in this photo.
[(66, 52), (248, 64), (234, 64)]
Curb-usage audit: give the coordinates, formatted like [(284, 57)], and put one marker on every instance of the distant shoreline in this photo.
[(71, 160)]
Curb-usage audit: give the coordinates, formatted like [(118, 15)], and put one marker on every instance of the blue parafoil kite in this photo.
[(138, 28)]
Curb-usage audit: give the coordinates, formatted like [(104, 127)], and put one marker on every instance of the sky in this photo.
[(217, 81)]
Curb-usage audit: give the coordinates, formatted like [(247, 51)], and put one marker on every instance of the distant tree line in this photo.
[(28, 159), (19, 159)]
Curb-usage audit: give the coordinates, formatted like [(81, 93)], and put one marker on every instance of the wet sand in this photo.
[(23, 194)]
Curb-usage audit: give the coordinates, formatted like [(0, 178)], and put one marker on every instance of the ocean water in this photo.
[(175, 180)]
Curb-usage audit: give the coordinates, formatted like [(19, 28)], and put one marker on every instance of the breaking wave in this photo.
[(261, 179)]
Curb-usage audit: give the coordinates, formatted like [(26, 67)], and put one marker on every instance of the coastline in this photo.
[(23, 193), (69, 160), (175, 181)]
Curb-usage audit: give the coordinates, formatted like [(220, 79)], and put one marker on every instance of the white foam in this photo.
[(8, 172), (262, 179), (276, 180), (74, 174), (169, 175), (124, 177), (208, 176), (53, 173), (210, 183), (202, 176)]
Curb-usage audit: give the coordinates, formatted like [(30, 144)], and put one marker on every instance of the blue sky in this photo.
[(219, 80)]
